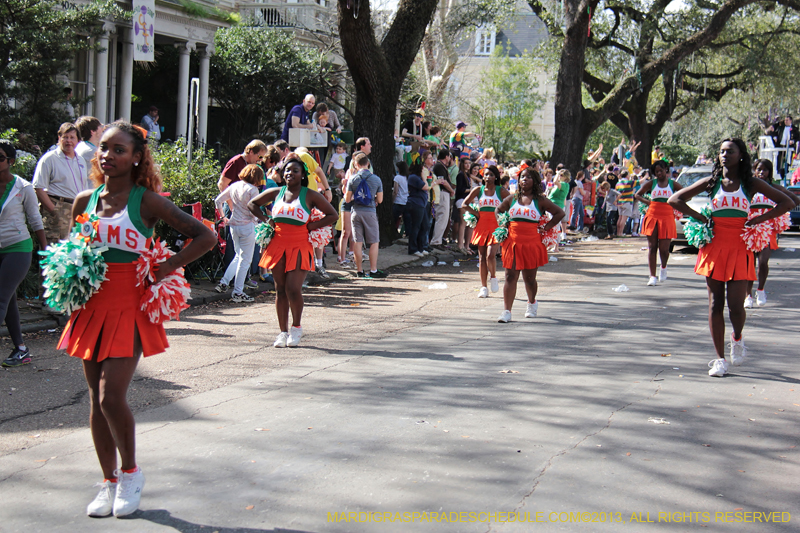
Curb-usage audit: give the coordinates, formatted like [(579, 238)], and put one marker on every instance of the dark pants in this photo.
[(13, 269), (399, 212), (417, 238), (611, 222), (599, 212), (427, 225)]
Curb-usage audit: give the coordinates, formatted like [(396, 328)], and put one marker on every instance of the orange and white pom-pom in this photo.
[(781, 223), (166, 299), (757, 237), (677, 214), (551, 237), (320, 236)]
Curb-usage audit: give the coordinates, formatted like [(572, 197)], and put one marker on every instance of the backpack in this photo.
[(363, 194)]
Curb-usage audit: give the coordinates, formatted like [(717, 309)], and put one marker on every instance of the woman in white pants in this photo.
[(242, 226)]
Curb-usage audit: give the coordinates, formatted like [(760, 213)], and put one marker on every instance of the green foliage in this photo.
[(198, 10), (38, 40), (256, 75), (187, 183), (506, 102), (25, 163)]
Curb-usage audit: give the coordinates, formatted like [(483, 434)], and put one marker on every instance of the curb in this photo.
[(47, 322)]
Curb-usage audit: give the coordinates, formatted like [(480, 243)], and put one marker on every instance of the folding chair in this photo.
[(208, 265)]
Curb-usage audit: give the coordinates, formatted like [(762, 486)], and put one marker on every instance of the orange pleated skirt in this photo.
[(660, 217), (482, 233), (523, 248), (290, 241), (106, 323), (726, 257), (773, 241)]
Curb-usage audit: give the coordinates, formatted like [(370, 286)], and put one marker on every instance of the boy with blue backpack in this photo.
[(365, 191)]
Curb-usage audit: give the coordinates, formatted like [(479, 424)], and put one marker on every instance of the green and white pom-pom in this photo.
[(504, 219), (264, 232), (73, 272), (471, 219), (643, 206), (699, 234), (501, 233)]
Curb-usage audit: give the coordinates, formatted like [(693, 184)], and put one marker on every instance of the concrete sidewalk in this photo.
[(601, 405)]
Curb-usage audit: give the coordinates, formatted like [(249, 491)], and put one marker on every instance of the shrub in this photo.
[(186, 182)]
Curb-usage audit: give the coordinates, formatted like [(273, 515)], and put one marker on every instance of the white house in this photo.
[(522, 34), (106, 75)]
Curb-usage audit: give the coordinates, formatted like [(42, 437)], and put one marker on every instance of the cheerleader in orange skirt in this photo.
[(725, 262), (523, 250), (763, 171), (488, 197), (110, 332), (289, 253), (659, 221)]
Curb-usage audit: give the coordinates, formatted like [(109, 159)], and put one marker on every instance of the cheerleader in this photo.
[(488, 197), (523, 249), (659, 221), (725, 262), (289, 253), (763, 171), (110, 332)]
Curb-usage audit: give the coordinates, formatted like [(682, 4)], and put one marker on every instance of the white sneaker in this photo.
[(738, 351), (718, 367), (748, 302), (103, 503), (281, 340), (425, 252), (662, 274), (761, 298), (295, 334), (483, 293), (531, 310), (505, 316), (494, 284), (419, 254), (129, 492), (242, 298), (221, 287), (653, 281)]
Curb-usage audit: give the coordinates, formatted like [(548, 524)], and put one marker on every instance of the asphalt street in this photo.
[(598, 415)]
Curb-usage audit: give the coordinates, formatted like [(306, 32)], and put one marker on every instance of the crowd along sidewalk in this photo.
[(32, 318)]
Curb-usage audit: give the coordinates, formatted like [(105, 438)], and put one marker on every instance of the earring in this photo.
[(136, 164)]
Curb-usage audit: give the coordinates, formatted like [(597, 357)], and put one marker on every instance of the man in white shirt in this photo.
[(90, 130), (784, 135), (60, 175)]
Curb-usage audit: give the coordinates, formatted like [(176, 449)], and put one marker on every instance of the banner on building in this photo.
[(144, 18)]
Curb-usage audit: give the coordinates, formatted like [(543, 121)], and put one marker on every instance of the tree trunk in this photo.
[(378, 71), (571, 131), (639, 127)]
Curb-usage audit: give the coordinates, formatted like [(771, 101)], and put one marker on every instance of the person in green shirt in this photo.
[(18, 205), (558, 195)]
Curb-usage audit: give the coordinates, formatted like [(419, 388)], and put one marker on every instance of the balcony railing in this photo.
[(311, 15)]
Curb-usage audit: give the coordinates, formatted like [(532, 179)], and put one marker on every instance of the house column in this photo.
[(202, 111), (101, 75), (182, 122), (126, 75)]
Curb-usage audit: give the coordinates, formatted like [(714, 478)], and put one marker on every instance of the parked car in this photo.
[(688, 177), (795, 213)]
